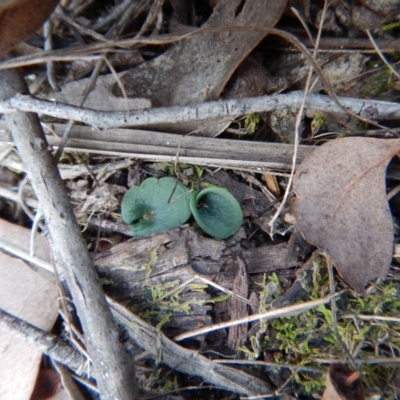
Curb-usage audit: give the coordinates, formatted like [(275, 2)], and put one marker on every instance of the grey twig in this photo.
[(378, 110), (114, 370), (48, 343)]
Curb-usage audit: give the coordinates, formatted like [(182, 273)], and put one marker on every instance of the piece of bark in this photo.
[(176, 255), (298, 248), (159, 146), (136, 265), (268, 258), (113, 369), (237, 308)]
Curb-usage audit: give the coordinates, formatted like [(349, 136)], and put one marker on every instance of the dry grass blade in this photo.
[(281, 312)]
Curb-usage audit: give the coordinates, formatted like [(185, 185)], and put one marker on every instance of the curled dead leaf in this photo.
[(342, 207), (20, 18)]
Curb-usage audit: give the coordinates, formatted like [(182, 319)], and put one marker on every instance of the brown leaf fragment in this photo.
[(342, 206), (237, 308), (20, 18), (343, 384), (198, 68)]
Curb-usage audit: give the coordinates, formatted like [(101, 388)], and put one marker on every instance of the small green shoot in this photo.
[(250, 122), (318, 122)]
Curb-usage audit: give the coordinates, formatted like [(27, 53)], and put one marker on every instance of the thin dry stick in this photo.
[(23, 255), (48, 45), (151, 17), (334, 315), (71, 122), (194, 279), (106, 47), (80, 28), (270, 364), (374, 318), (213, 109), (113, 368), (272, 314), (299, 118), (380, 54), (304, 25), (45, 341)]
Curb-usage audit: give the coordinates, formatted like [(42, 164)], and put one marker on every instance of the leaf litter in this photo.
[(347, 194), (342, 206)]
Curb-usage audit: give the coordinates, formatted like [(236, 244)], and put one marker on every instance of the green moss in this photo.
[(379, 83), (318, 121), (250, 122), (308, 339), (106, 281)]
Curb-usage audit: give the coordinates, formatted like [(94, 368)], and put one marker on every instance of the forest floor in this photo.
[(147, 68)]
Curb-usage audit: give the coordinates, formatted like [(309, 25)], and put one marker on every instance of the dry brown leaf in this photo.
[(343, 384), (342, 207), (27, 295), (198, 68), (20, 18)]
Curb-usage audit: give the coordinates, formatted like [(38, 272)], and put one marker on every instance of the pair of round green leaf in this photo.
[(159, 204)]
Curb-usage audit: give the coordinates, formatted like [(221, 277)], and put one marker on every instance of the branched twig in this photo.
[(203, 111)]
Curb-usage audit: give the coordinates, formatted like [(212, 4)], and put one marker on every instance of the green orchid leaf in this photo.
[(216, 211), (156, 205)]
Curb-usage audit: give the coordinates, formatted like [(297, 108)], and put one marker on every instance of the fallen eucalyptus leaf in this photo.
[(155, 205), (217, 212), (342, 206)]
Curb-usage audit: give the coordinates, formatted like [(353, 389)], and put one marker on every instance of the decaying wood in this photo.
[(176, 255), (161, 262), (237, 308), (269, 258), (113, 369), (172, 256)]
